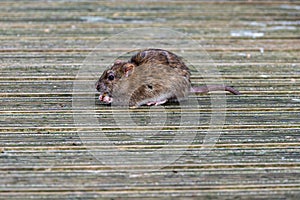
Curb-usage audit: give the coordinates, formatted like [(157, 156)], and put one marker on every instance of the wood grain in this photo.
[(44, 154)]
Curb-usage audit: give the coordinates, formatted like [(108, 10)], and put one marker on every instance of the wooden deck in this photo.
[(46, 154)]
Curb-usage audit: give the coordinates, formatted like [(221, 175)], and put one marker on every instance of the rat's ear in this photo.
[(128, 69), (117, 62)]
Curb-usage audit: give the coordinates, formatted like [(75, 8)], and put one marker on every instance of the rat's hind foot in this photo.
[(156, 103)]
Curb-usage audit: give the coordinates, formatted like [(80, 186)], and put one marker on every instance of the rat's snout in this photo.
[(98, 86), (104, 93), (101, 87)]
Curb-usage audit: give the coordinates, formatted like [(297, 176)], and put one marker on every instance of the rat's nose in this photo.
[(98, 86)]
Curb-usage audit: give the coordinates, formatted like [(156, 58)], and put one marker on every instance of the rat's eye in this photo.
[(111, 77)]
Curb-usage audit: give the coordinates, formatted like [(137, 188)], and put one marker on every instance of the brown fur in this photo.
[(161, 56)]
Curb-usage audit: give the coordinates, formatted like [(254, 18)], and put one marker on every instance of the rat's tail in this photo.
[(209, 88)]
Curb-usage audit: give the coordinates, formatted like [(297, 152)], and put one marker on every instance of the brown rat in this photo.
[(150, 77)]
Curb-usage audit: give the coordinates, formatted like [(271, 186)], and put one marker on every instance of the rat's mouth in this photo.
[(105, 98)]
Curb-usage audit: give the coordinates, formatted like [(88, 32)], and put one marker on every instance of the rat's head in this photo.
[(110, 77)]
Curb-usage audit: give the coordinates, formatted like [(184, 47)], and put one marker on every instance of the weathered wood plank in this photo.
[(44, 154)]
